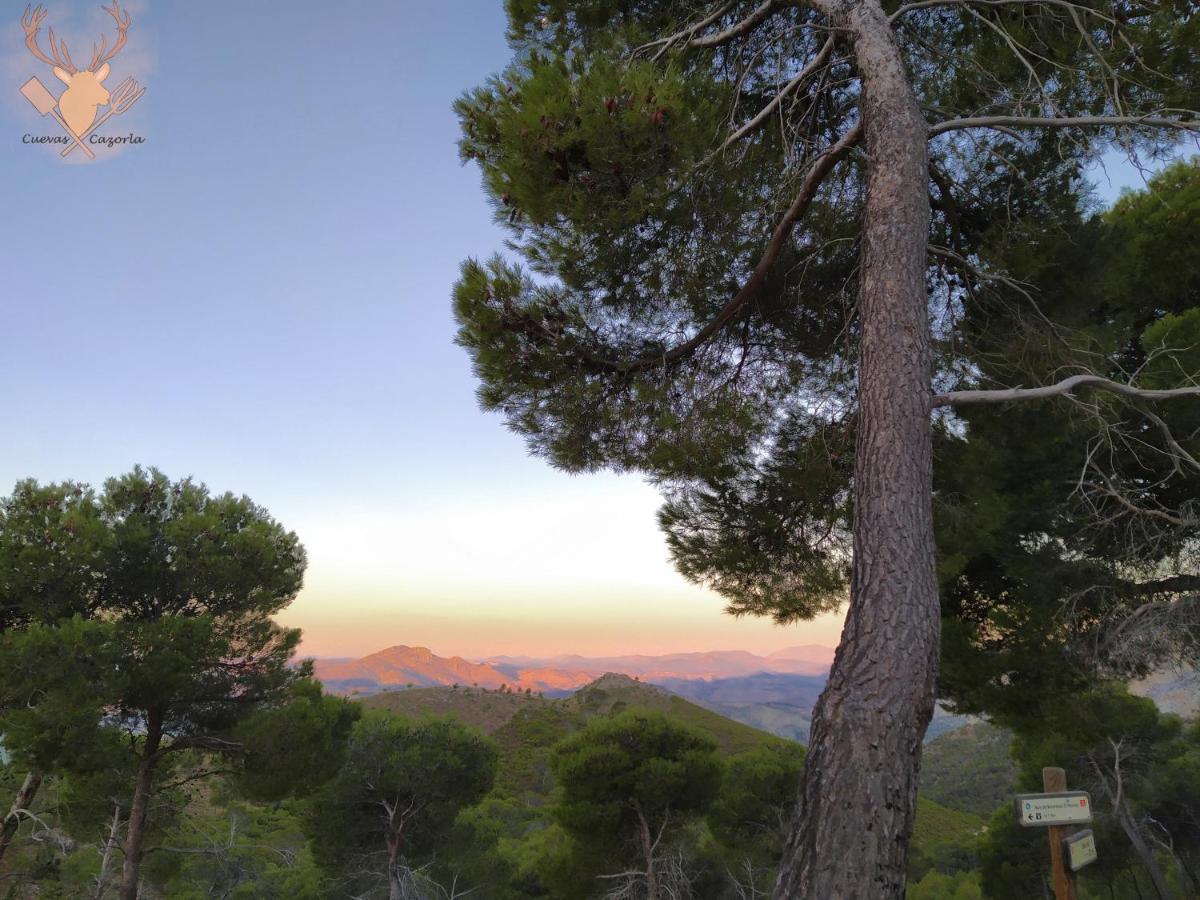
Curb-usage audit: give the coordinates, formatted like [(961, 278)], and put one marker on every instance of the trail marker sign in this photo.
[(1081, 849), (1060, 808)]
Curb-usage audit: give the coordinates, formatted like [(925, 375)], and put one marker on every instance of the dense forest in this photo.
[(509, 795)]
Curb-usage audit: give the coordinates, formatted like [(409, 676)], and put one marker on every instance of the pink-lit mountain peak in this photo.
[(411, 665), (403, 665)]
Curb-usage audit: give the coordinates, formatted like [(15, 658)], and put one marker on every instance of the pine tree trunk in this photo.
[(131, 869), (23, 800), (648, 857), (395, 886), (1144, 853), (858, 795)]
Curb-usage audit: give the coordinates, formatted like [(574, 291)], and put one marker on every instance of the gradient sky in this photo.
[(258, 296)]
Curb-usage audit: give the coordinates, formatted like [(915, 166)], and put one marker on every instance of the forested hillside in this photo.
[(506, 712), (507, 825), (970, 769), (257, 831), (160, 748), (527, 727)]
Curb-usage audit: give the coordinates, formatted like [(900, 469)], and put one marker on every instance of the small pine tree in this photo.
[(627, 780), (398, 792)]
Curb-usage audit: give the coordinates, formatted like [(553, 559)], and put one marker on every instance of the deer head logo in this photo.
[(85, 87)]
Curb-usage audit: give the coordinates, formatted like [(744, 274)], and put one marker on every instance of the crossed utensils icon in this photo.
[(126, 94)]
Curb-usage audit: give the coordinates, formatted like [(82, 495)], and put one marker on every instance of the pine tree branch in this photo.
[(1061, 389), (812, 66), (197, 742), (685, 34), (816, 174), (1001, 122), (686, 37), (195, 776), (1122, 500), (1172, 584), (745, 26), (930, 4)]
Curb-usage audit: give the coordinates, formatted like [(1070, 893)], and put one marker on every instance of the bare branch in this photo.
[(1158, 632), (1062, 388), (1001, 122), (765, 113), (1109, 491), (1179, 453), (686, 38), (687, 33), (929, 4)]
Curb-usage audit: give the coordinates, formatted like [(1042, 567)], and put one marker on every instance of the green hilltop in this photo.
[(516, 719), (526, 726)]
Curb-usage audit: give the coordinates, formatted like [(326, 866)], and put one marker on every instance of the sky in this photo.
[(258, 296)]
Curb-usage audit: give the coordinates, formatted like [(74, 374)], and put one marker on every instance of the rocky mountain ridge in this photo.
[(402, 666)]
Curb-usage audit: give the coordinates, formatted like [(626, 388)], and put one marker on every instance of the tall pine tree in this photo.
[(734, 273), (180, 587)]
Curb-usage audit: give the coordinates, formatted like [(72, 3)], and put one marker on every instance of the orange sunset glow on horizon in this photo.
[(577, 565)]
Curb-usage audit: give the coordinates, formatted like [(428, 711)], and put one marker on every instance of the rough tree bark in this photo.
[(22, 802), (131, 869), (858, 795)]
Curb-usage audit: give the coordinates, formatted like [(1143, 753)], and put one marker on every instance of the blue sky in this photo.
[(259, 296)]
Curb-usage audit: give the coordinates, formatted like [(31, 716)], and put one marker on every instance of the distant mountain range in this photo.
[(403, 666), (775, 693)]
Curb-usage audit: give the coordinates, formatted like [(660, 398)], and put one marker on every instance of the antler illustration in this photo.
[(32, 23), (123, 20)]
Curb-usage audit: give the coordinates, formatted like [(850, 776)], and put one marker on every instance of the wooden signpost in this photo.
[(1057, 810)]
